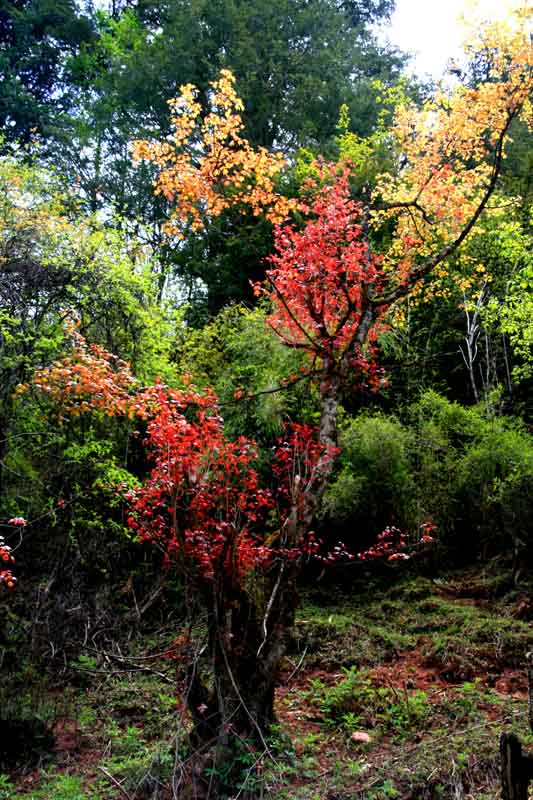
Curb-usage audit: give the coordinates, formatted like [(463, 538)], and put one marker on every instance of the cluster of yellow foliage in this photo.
[(32, 214), (207, 166), (446, 152)]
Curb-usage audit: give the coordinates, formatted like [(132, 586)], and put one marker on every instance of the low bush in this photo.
[(467, 471)]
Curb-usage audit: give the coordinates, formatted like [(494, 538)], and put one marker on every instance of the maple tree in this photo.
[(330, 293), (240, 546), (205, 506)]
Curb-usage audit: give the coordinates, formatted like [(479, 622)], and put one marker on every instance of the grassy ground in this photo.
[(399, 693)]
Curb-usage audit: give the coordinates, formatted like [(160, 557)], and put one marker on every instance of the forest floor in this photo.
[(397, 693)]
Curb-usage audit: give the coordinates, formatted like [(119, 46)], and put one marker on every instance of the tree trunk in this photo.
[(249, 632), (516, 768), (232, 705)]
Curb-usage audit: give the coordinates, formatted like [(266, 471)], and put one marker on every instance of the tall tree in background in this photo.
[(295, 62), (37, 37)]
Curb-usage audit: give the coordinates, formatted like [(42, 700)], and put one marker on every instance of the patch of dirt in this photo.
[(409, 672), (321, 756), (512, 683), (67, 737), (451, 669)]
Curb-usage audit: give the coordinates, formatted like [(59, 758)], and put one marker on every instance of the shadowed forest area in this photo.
[(266, 404)]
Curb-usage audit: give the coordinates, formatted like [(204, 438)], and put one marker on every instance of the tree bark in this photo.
[(516, 768), (232, 706)]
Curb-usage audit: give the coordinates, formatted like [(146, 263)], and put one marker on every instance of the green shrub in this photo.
[(375, 483), (473, 474), (469, 472)]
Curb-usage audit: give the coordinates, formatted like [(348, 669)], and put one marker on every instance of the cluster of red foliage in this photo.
[(389, 544), (392, 543), (296, 455), (321, 278), (203, 500), (6, 557)]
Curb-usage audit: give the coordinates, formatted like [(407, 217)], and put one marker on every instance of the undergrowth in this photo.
[(397, 692)]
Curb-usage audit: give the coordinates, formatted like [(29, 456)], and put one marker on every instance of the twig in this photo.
[(133, 659), (122, 671), (115, 782), (297, 667), (269, 607), (288, 384)]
